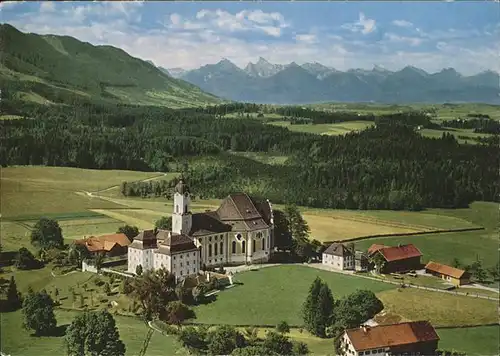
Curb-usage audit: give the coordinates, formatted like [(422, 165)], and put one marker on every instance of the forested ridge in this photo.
[(389, 166)]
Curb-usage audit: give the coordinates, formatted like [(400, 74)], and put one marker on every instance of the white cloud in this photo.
[(363, 25), (9, 4), (307, 38), (412, 41), (269, 23), (47, 6), (402, 23)]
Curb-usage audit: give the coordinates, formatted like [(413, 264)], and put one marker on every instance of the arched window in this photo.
[(234, 247), (243, 247), (259, 235), (210, 250), (215, 249), (222, 248), (177, 208), (263, 243), (185, 208), (253, 245)]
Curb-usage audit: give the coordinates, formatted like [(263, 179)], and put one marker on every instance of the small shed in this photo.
[(453, 275)]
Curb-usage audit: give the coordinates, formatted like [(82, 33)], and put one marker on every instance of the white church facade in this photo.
[(240, 231)]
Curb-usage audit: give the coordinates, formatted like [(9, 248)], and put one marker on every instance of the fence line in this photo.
[(359, 238)]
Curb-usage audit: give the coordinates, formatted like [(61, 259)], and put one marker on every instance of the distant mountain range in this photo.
[(264, 82), (53, 69)]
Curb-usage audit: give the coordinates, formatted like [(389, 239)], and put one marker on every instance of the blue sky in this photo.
[(428, 35)]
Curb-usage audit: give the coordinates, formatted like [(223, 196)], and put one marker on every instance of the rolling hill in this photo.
[(61, 69), (264, 82)]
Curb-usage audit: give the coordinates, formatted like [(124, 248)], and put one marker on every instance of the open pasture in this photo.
[(441, 309), (263, 157), (325, 129), (41, 190)]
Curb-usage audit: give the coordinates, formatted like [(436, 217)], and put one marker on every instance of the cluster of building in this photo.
[(240, 231), (393, 259)]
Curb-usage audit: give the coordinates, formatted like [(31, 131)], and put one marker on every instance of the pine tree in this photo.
[(324, 310), (13, 296), (309, 308)]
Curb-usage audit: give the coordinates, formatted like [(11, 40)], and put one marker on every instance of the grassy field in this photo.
[(41, 190), (272, 294), (326, 129), (440, 309), (478, 341), (17, 341), (263, 157), (466, 246)]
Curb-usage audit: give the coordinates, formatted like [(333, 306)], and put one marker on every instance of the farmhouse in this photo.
[(410, 338), (453, 275), (342, 258), (399, 258), (111, 245), (240, 231)]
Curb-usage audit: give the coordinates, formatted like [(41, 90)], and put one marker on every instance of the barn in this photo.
[(401, 258)]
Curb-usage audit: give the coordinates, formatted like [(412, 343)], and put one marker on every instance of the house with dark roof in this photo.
[(338, 256), (401, 258), (409, 338), (455, 276), (240, 231)]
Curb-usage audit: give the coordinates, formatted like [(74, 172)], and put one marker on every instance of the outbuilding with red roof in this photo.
[(401, 258)]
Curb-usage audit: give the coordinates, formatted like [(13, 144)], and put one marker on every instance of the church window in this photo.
[(222, 248), (201, 252), (210, 250), (233, 247), (210, 238), (215, 249), (177, 208), (259, 235), (187, 263), (174, 257), (243, 247), (253, 245), (263, 244), (238, 236), (181, 264), (185, 208)]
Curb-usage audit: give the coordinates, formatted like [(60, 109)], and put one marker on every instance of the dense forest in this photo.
[(389, 166)]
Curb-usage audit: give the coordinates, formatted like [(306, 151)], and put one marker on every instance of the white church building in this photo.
[(240, 231)]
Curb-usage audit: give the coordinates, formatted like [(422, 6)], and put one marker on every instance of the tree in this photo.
[(379, 261), (129, 231), (47, 233), (495, 271), (300, 348), (13, 296), (154, 289), (297, 225), (127, 287), (25, 259), (480, 274), (107, 288), (282, 235), (309, 308), (283, 327), (367, 302), (176, 312), (199, 292), (251, 334), (456, 263), (138, 270), (94, 333), (224, 339), (98, 260), (38, 310), (256, 350), (278, 343), (165, 223), (324, 310), (194, 339), (78, 253)]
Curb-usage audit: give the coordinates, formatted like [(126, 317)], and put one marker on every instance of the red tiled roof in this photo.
[(391, 335), (402, 252), (375, 247), (444, 269), (104, 242)]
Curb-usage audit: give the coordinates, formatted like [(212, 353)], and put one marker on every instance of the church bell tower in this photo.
[(181, 217)]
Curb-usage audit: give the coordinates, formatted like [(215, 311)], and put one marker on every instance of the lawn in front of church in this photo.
[(270, 295)]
